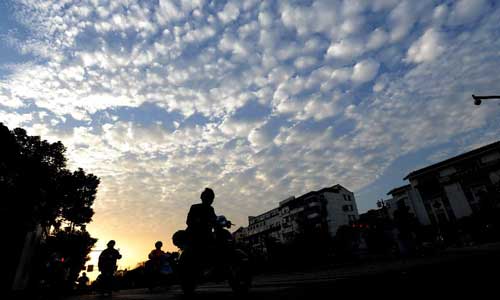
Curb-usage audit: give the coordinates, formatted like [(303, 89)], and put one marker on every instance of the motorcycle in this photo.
[(222, 261)]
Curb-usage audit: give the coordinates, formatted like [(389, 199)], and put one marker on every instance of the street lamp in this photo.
[(479, 99), (381, 203), (383, 206)]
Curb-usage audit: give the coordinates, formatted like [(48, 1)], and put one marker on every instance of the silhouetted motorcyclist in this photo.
[(157, 257), (201, 221), (208, 251)]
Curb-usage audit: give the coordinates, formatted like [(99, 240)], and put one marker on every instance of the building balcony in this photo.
[(297, 210)]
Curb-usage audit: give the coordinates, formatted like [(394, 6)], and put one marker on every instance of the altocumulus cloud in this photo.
[(258, 99)]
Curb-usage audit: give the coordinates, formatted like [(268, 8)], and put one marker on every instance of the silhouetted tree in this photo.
[(72, 246), (78, 192), (38, 189)]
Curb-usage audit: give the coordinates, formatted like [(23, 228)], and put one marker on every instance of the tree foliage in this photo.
[(37, 189), (37, 186)]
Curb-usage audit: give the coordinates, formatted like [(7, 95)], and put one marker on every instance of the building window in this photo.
[(348, 208), (347, 197)]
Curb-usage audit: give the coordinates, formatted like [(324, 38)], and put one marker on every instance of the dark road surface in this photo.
[(472, 273)]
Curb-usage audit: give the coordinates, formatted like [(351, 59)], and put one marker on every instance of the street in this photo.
[(456, 272)]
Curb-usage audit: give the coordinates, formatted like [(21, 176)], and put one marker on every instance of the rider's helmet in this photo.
[(158, 245), (180, 238)]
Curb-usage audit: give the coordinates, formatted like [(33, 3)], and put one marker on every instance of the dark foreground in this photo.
[(467, 273)]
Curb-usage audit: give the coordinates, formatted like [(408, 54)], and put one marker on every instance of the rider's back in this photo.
[(156, 254), (201, 218)]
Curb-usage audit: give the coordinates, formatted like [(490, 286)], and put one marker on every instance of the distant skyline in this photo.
[(260, 100)]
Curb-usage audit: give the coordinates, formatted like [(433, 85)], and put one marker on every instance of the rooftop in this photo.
[(398, 189), (333, 189), (454, 160)]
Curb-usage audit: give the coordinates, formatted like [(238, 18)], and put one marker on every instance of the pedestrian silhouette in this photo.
[(83, 282), (107, 266)]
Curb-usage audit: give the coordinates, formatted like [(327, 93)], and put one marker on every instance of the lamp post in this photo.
[(479, 99)]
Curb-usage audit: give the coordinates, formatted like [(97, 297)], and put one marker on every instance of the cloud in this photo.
[(320, 17), (379, 5), (13, 120), (265, 19), (440, 13), (345, 49), (377, 39), (199, 35), (245, 119), (427, 48), (319, 110), (466, 11), (403, 18), (365, 70), (9, 99), (230, 12), (169, 11), (305, 62), (254, 99)]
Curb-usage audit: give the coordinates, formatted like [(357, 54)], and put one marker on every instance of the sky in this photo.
[(259, 100)]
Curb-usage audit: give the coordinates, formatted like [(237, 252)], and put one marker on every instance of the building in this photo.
[(240, 235), (451, 189), (407, 196), (324, 211), (262, 228)]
